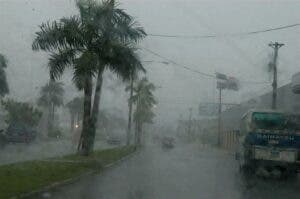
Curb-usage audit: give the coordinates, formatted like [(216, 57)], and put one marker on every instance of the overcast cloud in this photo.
[(244, 57)]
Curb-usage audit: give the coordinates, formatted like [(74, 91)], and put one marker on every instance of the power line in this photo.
[(193, 70), (175, 63), (225, 35)]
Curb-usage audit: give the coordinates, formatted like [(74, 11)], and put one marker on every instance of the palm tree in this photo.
[(51, 96), (144, 100), (3, 82), (119, 34), (133, 77), (85, 44), (75, 108)]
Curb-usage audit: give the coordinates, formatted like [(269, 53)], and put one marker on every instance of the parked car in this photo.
[(19, 133), (113, 141)]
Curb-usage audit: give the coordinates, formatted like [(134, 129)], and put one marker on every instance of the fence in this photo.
[(230, 139)]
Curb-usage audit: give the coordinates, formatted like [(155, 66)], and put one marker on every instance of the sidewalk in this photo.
[(40, 150)]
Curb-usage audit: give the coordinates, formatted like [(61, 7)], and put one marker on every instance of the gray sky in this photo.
[(242, 56)]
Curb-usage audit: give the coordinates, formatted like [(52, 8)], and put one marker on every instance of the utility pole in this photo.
[(219, 116), (276, 47)]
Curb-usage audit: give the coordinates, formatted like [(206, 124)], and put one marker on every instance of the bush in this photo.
[(21, 112), (54, 133)]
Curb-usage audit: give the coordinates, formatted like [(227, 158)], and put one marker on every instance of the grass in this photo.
[(23, 177)]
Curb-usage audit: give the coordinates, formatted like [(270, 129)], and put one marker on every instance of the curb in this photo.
[(121, 159), (74, 179)]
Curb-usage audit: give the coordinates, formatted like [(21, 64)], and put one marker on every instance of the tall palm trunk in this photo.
[(130, 111), (49, 119), (95, 111), (72, 122), (137, 128), (84, 146), (52, 114), (136, 133), (139, 133)]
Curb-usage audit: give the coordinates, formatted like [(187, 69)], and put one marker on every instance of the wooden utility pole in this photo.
[(276, 47)]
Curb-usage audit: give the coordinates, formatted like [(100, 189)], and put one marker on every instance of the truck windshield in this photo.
[(268, 120)]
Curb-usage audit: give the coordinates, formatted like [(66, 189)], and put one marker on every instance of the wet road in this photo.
[(185, 172)]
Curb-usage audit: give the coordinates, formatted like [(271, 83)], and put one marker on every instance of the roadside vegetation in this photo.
[(51, 97), (24, 177), (4, 90), (102, 37), (144, 101)]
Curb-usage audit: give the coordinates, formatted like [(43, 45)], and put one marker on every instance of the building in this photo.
[(286, 101)]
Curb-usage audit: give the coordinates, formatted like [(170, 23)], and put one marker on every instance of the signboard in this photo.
[(225, 82), (206, 109)]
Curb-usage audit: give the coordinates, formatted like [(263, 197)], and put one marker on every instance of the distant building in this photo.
[(286, 101)]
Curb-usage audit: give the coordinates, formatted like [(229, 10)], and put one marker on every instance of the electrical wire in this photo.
[(193, 70), (225, 35)]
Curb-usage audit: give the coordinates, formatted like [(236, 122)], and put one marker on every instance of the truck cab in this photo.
[(270, 139)]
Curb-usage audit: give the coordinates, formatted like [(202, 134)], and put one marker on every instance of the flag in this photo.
[(232, 84)]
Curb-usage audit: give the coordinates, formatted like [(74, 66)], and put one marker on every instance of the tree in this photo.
[(144, 100), (133, 77), (84, 43), (51, 96), (75, 107), (117, 52), (3, 81), (21, 112), (72, 42)]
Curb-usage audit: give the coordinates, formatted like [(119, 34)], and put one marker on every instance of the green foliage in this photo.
[(51, 94), (75, 106), (54, 133), (24, 177), (3, 81), (145, 101), (21, 112), (100, 36)]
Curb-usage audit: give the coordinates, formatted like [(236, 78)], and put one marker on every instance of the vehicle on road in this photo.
[(168, 142), (269, 139)]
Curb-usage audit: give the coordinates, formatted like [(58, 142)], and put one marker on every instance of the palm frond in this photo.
[(84, 67), (127, 30), (59, 34), (3, 83), (59, 61), (3, 61), (124, 61), (51, 93)]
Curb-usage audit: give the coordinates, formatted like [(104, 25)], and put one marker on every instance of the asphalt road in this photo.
[(185, 172)]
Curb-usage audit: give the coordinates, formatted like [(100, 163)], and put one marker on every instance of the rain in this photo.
[(140, 99)]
